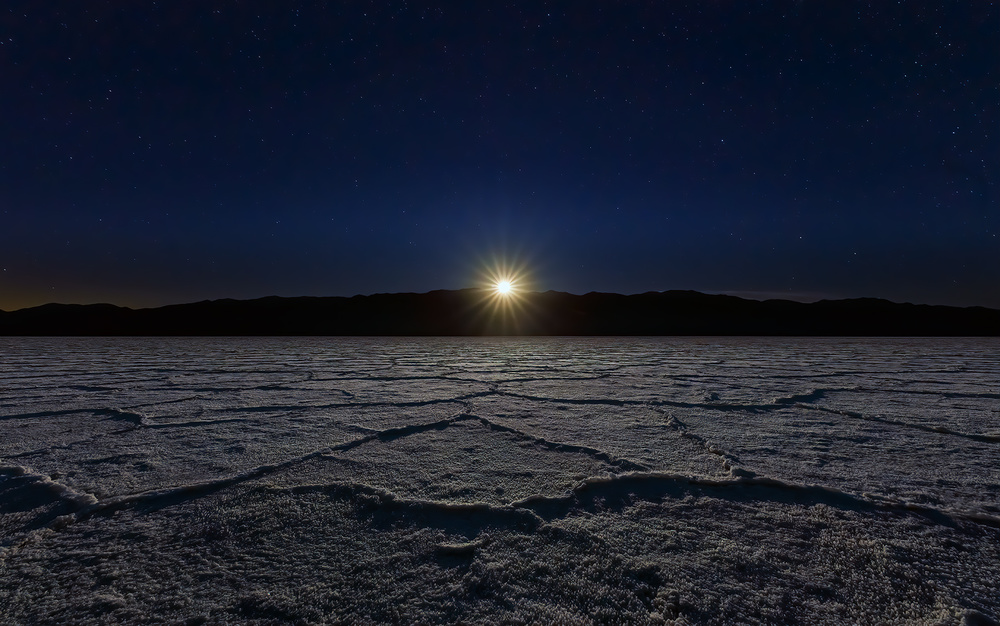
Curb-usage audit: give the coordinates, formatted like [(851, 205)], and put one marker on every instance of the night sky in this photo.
[(167, 152)]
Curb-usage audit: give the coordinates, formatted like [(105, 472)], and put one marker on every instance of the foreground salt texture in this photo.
[(602, 480)]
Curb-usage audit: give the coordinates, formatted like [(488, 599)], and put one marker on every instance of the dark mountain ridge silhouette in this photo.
[(476, 312)]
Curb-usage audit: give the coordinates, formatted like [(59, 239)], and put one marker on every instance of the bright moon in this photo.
[(503, 287)]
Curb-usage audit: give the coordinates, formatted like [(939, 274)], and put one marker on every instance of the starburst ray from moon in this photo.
[(505, 285)]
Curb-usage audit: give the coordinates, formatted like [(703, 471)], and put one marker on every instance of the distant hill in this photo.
[(472, 312)]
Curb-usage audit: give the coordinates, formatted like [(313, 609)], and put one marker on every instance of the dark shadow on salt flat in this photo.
[(391, 434), (384, 510), (108, 413), (605, 495), (938, 430), (19, 494), (619, 492), (600, 455), (29, 502)]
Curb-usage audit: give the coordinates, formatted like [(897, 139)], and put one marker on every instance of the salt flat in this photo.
[(514, 480)]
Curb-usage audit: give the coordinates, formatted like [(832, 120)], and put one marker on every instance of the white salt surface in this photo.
[(555, 480)]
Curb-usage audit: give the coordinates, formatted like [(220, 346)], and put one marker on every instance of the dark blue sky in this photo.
[(169, 152)]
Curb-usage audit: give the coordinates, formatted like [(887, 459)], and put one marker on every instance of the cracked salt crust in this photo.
[(605, 480)]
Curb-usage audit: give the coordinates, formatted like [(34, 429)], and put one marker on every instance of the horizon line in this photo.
[(813, 298)]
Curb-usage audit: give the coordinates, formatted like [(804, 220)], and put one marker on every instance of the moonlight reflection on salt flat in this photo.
[(644, 480)]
